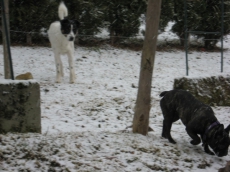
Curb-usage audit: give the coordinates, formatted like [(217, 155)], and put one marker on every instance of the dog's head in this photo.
[(219, 140), (69, 28)]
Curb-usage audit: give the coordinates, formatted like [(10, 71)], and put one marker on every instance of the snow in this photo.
[(85, 126), (9, 81)]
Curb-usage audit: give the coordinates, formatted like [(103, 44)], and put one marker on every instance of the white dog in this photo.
[(61, 35)]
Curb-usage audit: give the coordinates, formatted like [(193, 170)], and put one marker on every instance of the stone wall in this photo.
[(214, 90), (20, 106)]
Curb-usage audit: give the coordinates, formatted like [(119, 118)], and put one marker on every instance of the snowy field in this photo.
[(84, 125)]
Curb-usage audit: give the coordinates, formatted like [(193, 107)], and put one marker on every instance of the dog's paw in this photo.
[(58, 79), (72, 81), (210, 152), (172, 141), (193, 142), (164, 136)]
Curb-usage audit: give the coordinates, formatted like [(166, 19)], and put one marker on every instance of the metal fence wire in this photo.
[(7, 39), (187, 32)]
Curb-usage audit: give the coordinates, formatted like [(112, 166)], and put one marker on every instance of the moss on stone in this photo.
[(213, 90), (19, 108)]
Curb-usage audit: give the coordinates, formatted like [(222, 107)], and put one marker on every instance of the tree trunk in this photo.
[(141, 115), (7, 72)]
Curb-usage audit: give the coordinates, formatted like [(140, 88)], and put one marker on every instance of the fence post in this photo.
[(222, 33), (8, 68)]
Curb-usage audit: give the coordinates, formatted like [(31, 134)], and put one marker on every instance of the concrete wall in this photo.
[(20, 106)]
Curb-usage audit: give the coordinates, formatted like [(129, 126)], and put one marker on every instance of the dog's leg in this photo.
[(71, 67), (59, 70), (195, 138), (169, 118), (167, 124), (164, 129), (207, 150)]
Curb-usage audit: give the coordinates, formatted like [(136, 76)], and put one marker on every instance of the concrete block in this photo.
[(20, 106)]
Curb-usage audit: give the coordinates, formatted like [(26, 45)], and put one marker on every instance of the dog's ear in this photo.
[(64, 22), (227, 129), (78, 24), (64, 26), (221, 128)]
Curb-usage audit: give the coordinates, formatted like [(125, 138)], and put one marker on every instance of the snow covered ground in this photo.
[(84, 124)]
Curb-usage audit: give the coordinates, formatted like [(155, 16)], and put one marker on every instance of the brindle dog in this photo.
[(198, 118)]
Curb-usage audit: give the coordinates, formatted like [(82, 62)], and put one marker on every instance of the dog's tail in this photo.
[(62, 11), (163, 93)]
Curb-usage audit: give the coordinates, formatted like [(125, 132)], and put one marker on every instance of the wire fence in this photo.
[(172, 37)]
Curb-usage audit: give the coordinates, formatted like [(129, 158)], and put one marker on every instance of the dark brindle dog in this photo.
[(198, 118)]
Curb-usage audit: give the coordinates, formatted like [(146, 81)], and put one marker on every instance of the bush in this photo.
[(28, 16), (123, 17), (203, 16), (167, 12)]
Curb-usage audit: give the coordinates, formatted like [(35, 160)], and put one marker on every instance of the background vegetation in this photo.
[(29, 19)]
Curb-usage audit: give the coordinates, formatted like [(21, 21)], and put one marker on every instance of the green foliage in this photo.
[(88, 12), (30, 16), (123, 16), (167, 12), (210, 14), (202, 15)]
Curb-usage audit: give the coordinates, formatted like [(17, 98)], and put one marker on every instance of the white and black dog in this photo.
[(61, 35)]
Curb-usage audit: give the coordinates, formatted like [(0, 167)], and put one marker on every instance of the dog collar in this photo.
[(211, 126)]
